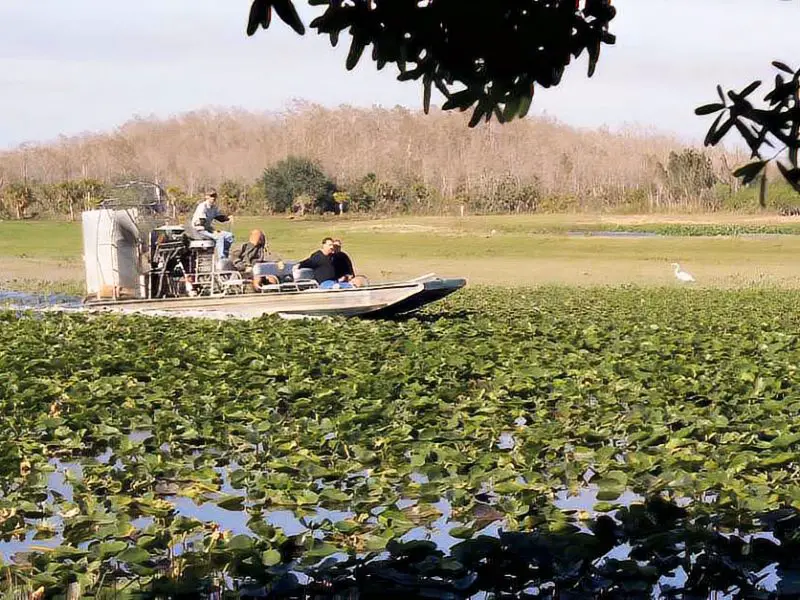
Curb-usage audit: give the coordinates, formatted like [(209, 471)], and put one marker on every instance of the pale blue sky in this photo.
[(68, 66)]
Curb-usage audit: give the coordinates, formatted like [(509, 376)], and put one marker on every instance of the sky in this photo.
[(75, 66)]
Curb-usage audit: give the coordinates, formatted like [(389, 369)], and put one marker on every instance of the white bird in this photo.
[(681, 274)]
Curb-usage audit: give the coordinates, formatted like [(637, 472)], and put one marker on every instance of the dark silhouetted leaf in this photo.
[(708, 109), (260, 14), (357, 46), (288, 14), (749, 171), (783, 67), (749, 89), (790, 175)]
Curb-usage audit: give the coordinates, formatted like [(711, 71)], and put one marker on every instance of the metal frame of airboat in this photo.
[(228, 291)]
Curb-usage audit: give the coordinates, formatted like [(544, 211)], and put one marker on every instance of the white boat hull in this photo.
[(377, 300)]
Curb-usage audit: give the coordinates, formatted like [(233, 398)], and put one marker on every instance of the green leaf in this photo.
[(462, 532), (321, 550), (105, 550), (62, 552), (134, 555), (334, 495), (271, 557), (240, 542), (306, 497), (232, 503)]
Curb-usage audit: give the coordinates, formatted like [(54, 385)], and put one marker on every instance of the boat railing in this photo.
[(298, 285)]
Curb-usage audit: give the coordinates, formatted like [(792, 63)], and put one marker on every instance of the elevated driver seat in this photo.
[(201, 250)]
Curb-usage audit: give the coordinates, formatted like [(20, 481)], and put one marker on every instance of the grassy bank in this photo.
[(504, 250)]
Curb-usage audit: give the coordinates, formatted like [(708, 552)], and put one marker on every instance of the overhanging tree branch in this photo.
[(486, 55), (772, 129)]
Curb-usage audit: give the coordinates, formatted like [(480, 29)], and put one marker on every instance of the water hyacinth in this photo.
[(138, 448)]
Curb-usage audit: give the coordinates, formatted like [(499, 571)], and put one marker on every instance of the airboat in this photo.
[(137, 261)]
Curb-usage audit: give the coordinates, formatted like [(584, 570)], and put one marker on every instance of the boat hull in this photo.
[(381, 301)]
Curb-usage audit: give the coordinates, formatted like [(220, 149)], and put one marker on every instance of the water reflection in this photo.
[(644, 548), (650, 549), (15, 299)]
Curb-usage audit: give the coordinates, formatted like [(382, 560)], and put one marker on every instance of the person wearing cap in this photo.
[(204, 215)]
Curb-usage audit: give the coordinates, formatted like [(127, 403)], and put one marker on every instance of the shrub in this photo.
[(291, 178), (689, 172), (506, 194), (558, 203)]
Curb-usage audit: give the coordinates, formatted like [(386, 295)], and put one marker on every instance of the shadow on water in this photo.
[(645, 548), (648, 550), (429, 317), (637, 548)]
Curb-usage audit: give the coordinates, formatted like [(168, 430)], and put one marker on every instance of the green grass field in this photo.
[(501, 250)]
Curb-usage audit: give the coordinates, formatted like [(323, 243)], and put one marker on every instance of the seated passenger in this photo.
[(341, 262), (343, 267), (322, 264), (254, 251)]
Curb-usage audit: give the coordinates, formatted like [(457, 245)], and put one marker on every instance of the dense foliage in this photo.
[(686, 182), (483, 410), (771, 131), (296, 181), (488, 54), (395, 160)]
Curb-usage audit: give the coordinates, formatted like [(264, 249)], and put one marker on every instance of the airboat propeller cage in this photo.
[(114, 236), (111, 253)]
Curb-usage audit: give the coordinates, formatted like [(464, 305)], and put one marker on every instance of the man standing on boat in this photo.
[(204, 215)]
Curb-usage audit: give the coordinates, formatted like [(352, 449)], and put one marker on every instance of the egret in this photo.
[(681, 274)]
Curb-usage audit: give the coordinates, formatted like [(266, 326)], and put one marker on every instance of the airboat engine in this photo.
[(168, 268)]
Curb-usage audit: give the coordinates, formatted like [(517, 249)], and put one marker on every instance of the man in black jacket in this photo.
[(322, 263)]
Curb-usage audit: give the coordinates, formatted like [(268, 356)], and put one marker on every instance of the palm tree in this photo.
[(19, 196)]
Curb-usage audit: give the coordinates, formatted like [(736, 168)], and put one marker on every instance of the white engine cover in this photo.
[(111, 253)]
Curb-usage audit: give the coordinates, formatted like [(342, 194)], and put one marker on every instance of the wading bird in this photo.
[(681, 274)]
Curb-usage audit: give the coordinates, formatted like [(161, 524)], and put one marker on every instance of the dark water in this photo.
[(646, 549)]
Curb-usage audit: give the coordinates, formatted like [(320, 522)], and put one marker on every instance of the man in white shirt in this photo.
[(202, 222)]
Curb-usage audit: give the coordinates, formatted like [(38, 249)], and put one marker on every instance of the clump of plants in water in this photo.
[(496, 442)]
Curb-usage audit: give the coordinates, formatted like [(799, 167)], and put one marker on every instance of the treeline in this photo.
[(376, 160)]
